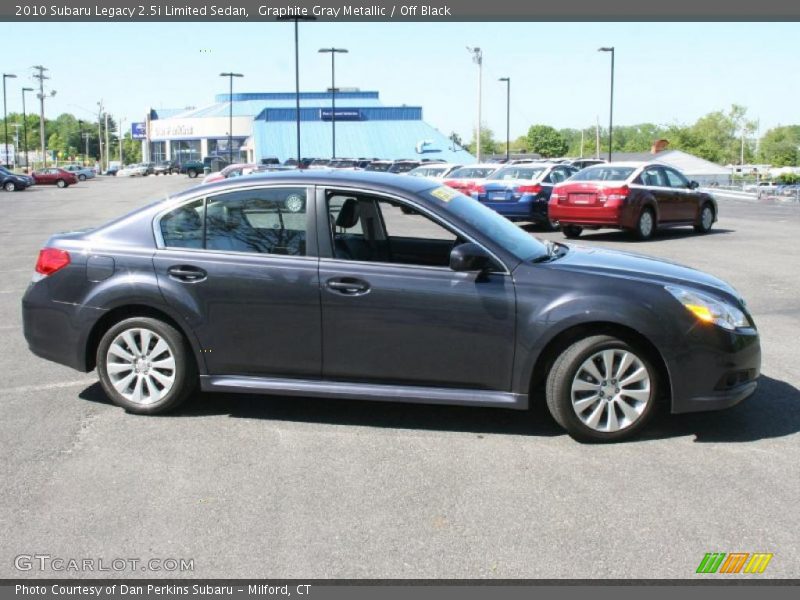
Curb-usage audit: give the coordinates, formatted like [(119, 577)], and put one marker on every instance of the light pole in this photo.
[(5, 117), (477, 58), (230, 77), (611, 104), (42, 77), (508, 116), (333, 52), (25, 126), (297, 18)]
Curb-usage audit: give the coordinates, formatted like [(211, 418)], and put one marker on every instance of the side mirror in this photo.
[(693, 185), (470, 257)]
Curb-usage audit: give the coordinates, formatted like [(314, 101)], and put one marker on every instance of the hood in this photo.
[(626, 265)]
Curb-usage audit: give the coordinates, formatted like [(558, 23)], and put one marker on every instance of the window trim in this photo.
[(312, 249), (321, 198)]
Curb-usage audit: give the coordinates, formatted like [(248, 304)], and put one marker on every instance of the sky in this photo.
[(666, 73)]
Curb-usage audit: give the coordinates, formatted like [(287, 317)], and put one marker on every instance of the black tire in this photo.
[(571, 231), (184, 372), (191, 173), (81, 177), (705, 219), (559, 390), (646, 225), (61, 183), (9, 186), (551, 225)]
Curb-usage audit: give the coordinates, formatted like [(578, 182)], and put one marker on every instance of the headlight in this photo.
[(709, 309)]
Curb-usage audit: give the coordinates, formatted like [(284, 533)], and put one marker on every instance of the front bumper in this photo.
[(715, 369)]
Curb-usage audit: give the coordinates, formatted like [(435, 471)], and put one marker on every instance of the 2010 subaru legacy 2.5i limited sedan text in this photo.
[(381, 287)]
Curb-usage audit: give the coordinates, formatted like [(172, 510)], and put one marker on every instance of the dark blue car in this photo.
[(521, 192)]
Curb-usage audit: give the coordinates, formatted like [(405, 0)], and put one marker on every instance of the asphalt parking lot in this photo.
[(250, 486)]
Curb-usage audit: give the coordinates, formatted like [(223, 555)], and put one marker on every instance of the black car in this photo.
[(10, 181), (166, 167), (316, 283)]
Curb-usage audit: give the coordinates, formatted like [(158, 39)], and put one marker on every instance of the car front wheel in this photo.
[(9, 186), (146, 366), (706, 219), (601, 389), (191, 173)]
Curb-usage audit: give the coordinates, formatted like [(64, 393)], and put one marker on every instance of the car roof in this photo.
[(378, 180)]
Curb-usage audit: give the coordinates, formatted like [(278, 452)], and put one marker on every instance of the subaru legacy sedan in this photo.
[(317, 283), (639, 197)]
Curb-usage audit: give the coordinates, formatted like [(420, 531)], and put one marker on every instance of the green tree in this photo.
[(488, 143), (780, 146), (546, 141)]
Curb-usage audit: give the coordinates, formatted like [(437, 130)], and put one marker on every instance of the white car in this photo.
[(132, 171), (437, 171)]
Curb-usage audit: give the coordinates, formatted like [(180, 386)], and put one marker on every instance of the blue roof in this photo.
[(252, 108), (379, 139)]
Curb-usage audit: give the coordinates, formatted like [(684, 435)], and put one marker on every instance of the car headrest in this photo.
[(348, 215), (218, 212)]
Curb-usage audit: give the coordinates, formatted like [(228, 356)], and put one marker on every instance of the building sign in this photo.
[(138, 131), (170, 131), (342, 114)]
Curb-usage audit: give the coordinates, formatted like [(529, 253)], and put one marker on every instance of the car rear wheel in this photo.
[(61, 183), (146, 366), (706, 219), (571, 231), (9, 186), (191, 173), (81, 177), (646, 225), (601, 389)]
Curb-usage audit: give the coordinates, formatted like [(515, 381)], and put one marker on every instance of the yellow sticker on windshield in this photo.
[(444, 193)]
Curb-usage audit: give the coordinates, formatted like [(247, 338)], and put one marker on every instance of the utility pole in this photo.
[(41, 77), (477, 58), (16, 127), (100, 134), (119, 129), (86, 137), (107, 146), (25, 126), (581, 143)]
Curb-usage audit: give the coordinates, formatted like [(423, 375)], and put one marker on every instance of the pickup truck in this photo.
[(193, 168)]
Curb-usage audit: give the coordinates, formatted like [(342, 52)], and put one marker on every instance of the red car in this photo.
[(54, 176), (467, 178), (634, 196)]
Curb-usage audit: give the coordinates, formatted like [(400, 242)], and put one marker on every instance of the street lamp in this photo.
[(230, 77), (508, 116), (477, 58), (5, 117), (25, 126), (333, 52), (611, 104), (297, 18)]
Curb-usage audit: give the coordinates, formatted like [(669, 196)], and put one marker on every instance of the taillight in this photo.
[(51, 260), (613, 195), (529, 189), (478, 189), (555, 197)]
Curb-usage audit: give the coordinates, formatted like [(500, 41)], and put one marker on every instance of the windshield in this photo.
[(516, 173), (495, 227), (603, 173), (471, 172)]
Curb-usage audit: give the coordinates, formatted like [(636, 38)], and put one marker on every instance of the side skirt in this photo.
[(362, 391)]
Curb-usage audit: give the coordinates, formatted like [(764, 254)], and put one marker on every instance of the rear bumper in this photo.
[(528, 207), (56, 331), (587, 216)]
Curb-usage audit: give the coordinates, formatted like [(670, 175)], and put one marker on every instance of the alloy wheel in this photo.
[(610, 390), (141, 365)]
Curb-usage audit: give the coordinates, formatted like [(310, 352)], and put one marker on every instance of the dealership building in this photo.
[(264, 125)]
